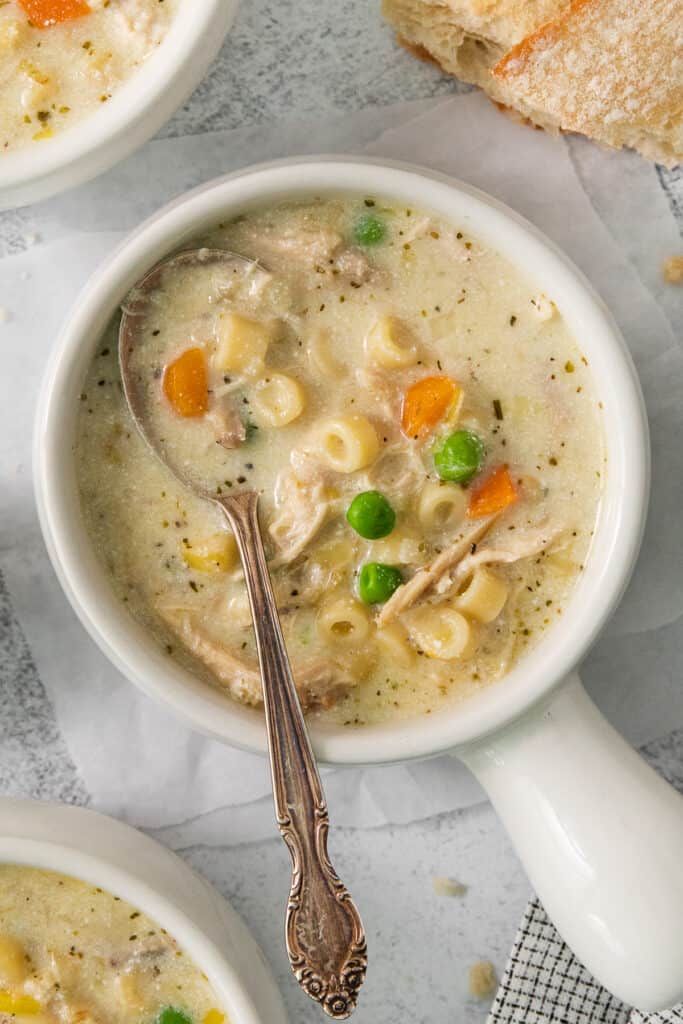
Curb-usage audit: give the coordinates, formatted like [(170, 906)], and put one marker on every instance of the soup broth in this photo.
[(74, 953), (421, 427)]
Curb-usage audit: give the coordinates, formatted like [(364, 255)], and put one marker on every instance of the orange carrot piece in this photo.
[(493, 494), (425, 403), (44, 13), (186, 384)]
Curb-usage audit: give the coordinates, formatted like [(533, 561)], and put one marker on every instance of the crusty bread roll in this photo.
[(612, 69)]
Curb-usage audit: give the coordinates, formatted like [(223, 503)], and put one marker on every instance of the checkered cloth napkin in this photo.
[(545, 984)]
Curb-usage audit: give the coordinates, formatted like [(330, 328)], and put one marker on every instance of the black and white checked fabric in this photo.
[(545, 984)]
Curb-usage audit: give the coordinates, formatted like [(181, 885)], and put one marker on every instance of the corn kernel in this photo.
[(17, 1003), (214, 1016), (217, 553)]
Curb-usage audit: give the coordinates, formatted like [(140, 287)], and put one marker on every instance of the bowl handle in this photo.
[(601, 837)]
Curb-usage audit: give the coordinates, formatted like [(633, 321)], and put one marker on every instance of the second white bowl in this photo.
[(99, 850), (136, 111)]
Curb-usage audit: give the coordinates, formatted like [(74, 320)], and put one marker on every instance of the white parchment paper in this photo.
[(606, 210)]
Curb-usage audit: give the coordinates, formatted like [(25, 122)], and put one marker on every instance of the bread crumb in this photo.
[(448, 887), (31, 237), (4, 315), (672, 271), (483, 981)]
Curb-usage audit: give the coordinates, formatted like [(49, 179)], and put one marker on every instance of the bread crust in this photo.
[(523, 50), (611, 69), (453, 34)]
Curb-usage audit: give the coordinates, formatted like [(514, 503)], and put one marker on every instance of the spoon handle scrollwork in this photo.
[(324, 933)]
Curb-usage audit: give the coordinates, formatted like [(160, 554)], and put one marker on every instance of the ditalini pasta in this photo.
[(440, 505), (72, 952), (61, 60), (277, 400), (347, 443), (388, 343), (424, 434), (483, 596)]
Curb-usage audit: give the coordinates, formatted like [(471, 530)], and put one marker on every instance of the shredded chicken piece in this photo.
[(505, 657), (319, 683), (314, 247), (353, 264), (253, 280), (234, 608), (143, 952), (429, 575), (302, 508), (229, 430), (242, 680), (398, 470), (310, 245), (523, 544), (310, 580), (384, 391)]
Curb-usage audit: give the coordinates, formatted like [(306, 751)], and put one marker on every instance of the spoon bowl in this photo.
[(138, 313)]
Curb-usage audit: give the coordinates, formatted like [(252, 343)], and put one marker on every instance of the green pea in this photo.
[(172, 1015), (377, 582), (458, 456), (371, 515), (369, 230)]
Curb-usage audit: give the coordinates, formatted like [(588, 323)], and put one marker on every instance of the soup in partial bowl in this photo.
[(84, 82), (60, 60), (71, 951), (99, 923), (422, 428)]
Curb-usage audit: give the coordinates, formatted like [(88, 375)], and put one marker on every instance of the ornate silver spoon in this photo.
[(324, 933)]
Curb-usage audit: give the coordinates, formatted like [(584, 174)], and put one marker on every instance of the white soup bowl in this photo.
[(600, 834), (103, 852)]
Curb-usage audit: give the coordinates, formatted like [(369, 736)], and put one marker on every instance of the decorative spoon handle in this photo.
[(324, 933)]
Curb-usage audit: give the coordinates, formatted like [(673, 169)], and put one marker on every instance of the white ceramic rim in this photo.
[(86, 867), (136, 110), (622, 512)]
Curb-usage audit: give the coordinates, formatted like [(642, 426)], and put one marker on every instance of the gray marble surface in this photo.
[(305, 57), (285, 59)]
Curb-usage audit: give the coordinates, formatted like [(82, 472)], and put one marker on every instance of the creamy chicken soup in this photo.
[(71, 953), (422, 429), (62, 59)]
